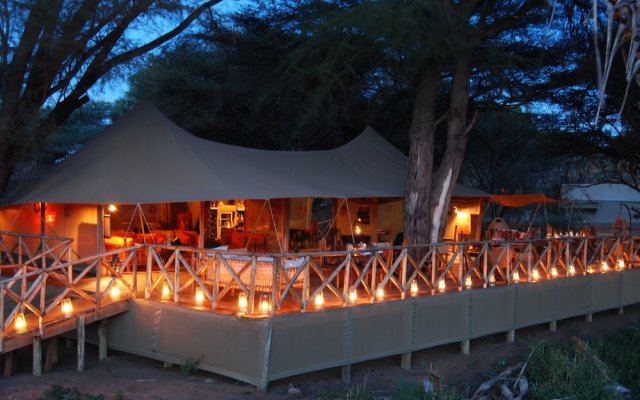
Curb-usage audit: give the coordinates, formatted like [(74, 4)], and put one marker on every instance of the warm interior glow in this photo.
[(50, 216), (115, 292), (604, 267), (516, 276), (572, 270), (357, 230), (353, 296), (442, 286), (468, 282), (199, 296), (554, 272), (319, 301), (112, 208), (620, 264), (380, 293), (414, 288), (166, 291), (242, 302), (463, 221), (20, 323), (535, 275), (67, 307), (264, 306)]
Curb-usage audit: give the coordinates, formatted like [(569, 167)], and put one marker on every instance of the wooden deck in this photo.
[(253, 315)]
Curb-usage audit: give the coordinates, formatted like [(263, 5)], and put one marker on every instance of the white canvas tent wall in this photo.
[(599, 205), (146, 158)]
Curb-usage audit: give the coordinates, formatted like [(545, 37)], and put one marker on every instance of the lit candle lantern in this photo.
[(243, 304), (380, 293), (265, 305), (166, 291), (492, 280), (414, 288), (468, 282), (353, 296), (590, 269), (115, 292), (535, 275), (604, 267), (516, 276), (442, 285), (620, 264), (554, 272), (20, 323), (572, 270), (67, 307), (199, 296), (319, 301)]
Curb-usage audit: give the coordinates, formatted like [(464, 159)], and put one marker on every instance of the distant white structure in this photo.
[(601, 204)]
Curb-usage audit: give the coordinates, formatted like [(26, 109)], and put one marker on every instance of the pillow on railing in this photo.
[(294, 263)]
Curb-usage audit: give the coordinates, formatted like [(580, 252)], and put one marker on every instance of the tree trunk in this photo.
[(446, 175), (427, 193), (5, 166), (421, 145)]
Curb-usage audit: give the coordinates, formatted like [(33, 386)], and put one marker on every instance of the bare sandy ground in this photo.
[(123, 376)]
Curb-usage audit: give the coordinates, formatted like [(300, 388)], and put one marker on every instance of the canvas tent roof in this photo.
[(145, 158)]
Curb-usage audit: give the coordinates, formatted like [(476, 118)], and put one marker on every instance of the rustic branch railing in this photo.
[(40, 273)]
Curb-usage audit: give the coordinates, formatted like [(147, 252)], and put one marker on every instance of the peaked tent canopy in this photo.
[(146, 158)]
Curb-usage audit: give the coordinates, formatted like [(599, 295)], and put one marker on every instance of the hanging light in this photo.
[(319, 300), (442, 285), (554, 272), (50, 217), (243, 304), (166, 291), (572, 270), (535, 275), (353, 296), (112, 208), (468, 282), (20, 323), (604, 267), (264, 306), (516, 276), (67, 307), (199, 296), (414, 288), (115, 292), (620, 264)]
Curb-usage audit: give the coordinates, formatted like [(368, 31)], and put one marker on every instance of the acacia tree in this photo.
[(53, 51)]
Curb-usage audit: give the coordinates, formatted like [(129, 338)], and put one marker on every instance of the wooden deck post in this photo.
[(9, 363), (102, 340), (511, 336), (465, 346), (588, 317), (51, 357), (81, 327), (37, 356), (405, 361), (346, 373), (621, 311), (553, 327)]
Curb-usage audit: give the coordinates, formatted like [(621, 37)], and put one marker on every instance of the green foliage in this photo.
[(59, 392), (413, 390), (622, 354), (189, 367), (564, 370)]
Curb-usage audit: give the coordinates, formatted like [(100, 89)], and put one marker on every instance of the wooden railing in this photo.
[(226, 281), (41, 273)]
